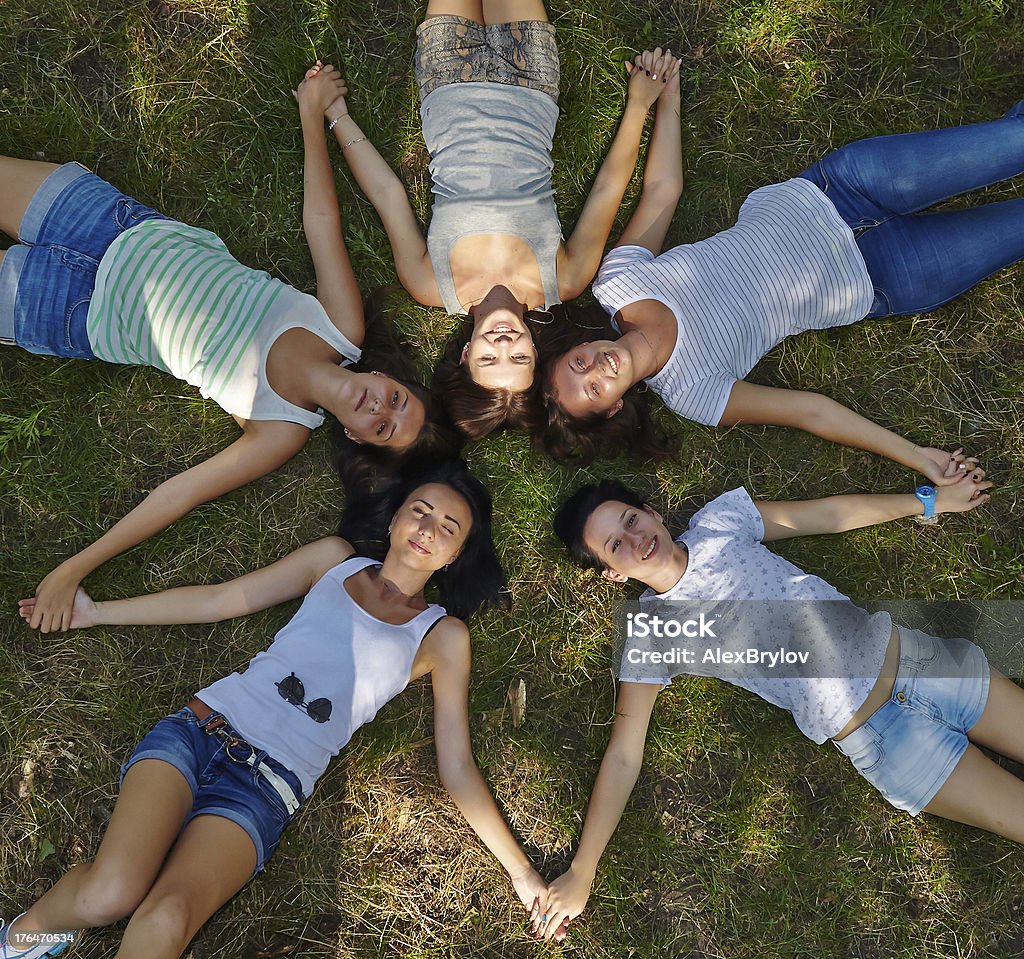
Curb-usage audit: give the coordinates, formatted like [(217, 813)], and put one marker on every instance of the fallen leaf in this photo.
[(517, 697)]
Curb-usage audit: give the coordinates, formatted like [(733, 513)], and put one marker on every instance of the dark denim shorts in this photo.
[(910, 745), (221, 786), (48, 278)]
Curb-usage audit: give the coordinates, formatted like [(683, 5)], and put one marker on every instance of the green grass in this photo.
[(742, 839)]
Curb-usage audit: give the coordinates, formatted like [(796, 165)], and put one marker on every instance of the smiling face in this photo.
[(632, 543), (378, 410), (589, 380), (501, 353), (430, 527)]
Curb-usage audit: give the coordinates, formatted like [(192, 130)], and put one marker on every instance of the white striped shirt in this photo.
[(171, 296), (789, 264)]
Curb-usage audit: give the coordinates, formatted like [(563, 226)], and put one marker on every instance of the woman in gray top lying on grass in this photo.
[(908, 709), (488, 76), (695, 320)]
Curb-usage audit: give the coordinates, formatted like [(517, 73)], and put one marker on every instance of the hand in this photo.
[(966, 494), (322, 90), (532, 891), (567, 896), (942, 468), (83, 611), (649, 75)]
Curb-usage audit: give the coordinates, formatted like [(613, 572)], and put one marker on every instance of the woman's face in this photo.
[(591, 379), (378, 410), (431, 527), (501, 354)]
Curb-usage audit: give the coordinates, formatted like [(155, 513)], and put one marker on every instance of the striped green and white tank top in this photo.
[(171, 296)]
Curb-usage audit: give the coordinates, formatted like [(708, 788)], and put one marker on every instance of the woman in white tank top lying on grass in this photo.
[(694, 321), (96, 274), (208, 791)]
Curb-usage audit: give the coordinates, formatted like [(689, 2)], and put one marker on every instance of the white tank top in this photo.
[(341, 655)]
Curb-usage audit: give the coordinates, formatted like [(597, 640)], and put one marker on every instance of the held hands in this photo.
[(966, 494), (566, 897), (652, 74), (51, 607), (322, 90), (82, 611), (532, 891), (942, 468)]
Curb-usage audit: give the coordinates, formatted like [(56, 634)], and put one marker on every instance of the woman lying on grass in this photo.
[(905, 707), (96, 274), (210, 788), (488, 76), (694, 321)]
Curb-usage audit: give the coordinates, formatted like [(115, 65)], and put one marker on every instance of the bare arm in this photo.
[(836, 514), (585, 247), (449, 657), (817, 414), (336, 285), (387, 194), (663, 175), (253, 455), (288, 578), (615, 781)]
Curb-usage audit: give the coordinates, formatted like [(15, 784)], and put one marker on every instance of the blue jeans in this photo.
[(221, 784), (47, 279), (918, 261), (909, 747)]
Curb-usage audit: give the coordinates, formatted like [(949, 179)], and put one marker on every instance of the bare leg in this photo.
[(212, 859), (505, 11), (20, 179), (981, 793), (1002, 720), (470, 9), (153, 803)]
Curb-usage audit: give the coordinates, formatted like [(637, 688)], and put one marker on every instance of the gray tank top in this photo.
[(490, 162)]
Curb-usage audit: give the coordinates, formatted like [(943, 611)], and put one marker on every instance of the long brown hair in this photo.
[(581, 440), (478, 411), (363, 466)]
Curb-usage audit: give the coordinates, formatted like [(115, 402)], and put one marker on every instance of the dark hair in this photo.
[(581, 440), (478, 411), (363, 466), (573, 514), (474, 580)]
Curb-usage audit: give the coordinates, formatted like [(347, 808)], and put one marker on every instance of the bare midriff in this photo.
[(880, 692)]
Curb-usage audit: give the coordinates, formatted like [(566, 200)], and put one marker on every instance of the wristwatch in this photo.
[(926, 494)]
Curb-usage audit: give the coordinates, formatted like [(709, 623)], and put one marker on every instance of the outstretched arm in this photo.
[(449, 661), (835, 514), (286, 579), (387, 194), (817, 414), (663, 174), (615, 781), (584, 249), (249, 457), (336, 285)]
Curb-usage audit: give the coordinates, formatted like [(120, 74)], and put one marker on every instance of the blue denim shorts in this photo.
[(221, 786), (47, 279), (910, 745)]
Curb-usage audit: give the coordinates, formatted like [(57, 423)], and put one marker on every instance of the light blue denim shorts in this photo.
[(47, 278), (911, 744), (221, 786)]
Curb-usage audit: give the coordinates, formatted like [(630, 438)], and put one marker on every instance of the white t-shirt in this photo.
[(728, 562), (789, 264)]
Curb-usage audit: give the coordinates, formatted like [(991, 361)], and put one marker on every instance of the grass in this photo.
[(742, 838)]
